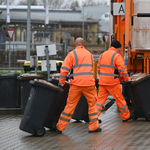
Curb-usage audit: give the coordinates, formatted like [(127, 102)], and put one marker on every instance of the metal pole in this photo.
[(83, 25), (35, 63), (43, 39), (105, 46), (9, 57), (28, 31), (47, 60)]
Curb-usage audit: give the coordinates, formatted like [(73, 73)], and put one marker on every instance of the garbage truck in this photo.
[(130, 24)]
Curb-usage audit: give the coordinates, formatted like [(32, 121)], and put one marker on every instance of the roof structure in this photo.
[(19, 14)]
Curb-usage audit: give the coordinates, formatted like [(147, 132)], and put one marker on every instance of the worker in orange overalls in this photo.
[(110, 67), (79, 64)]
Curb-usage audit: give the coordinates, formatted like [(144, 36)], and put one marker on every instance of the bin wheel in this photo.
[(133, 116), (40, 131), (148, 116)]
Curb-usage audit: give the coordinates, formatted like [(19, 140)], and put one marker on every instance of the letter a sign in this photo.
[(10, 33), (118, 9)]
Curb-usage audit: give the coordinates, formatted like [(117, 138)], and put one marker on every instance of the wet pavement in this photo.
[(115, 135)]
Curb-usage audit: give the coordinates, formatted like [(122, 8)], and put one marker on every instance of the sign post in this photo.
[(106, 37), (46, 50), (10, 34)]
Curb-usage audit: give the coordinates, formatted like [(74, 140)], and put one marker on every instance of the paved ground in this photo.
[(115, 135)]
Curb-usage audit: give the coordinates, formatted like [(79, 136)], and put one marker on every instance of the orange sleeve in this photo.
[(122, 68), (66, 67)]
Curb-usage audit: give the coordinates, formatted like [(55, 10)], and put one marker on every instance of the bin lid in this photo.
[(55, 76), (57, 79), (58, 63), (48, 84), (138, 76), (29, 76), (8, 75)]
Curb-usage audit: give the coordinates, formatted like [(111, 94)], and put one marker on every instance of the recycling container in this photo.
[(81, 110), (25, 87), (125, 94), (9, 91), (58, 105), (138, 89), (39, 104), (127, 97)]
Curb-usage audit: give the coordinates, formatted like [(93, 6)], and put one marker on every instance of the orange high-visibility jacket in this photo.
[(79, 64), (110, 66)]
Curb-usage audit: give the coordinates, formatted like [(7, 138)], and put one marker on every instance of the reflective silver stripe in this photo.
[(112, 59), (66, 68), (122, 107), (63, 76), (99, 105), (66, 114), (124, 111), (108, 74), (99, 110), (81, 73), (82, 65), (93, 114), (122, 69), (108, 66), (63, 119), (92, 120), (76, 57), (124, 75), (98, 67)]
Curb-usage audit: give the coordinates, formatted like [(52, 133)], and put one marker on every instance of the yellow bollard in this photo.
[(95, 70)]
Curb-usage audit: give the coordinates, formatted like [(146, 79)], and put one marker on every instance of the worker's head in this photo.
[(117, 45), (79, 42)]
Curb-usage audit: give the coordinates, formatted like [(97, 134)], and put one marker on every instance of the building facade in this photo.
[(60, 23)]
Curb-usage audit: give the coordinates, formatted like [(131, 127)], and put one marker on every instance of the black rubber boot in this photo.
[(58, 131), (97, 130)]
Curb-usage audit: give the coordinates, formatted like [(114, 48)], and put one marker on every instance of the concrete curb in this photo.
[(10, 111)]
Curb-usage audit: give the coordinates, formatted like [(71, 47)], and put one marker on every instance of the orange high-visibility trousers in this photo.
[(75, 92), (115, 91)]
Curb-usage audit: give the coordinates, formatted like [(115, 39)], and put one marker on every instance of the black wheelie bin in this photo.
[(58, 104), (9, 91), (25, 87), (40, 102), (81, 110), (138, 89)]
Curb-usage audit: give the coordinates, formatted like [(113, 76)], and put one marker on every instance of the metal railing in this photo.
[(18, 52)]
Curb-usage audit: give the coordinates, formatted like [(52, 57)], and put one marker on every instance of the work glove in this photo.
[(60, 85)]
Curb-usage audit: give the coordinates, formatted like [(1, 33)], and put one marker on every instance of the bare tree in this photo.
[(53, 4), (25, 2), (74, 4), (93, 3), (4, 2), (89, 3)]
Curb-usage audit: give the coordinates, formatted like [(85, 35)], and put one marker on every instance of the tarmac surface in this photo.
[(115, 135)]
